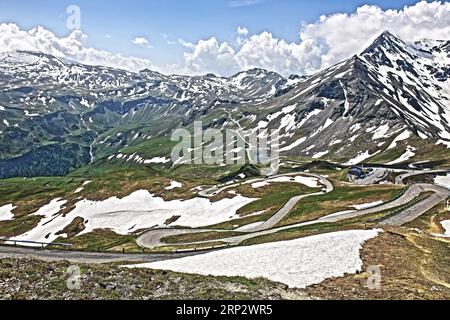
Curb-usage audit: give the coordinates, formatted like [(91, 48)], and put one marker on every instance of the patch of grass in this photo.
[(122, 182), (209, 174), (198, 237), (148, 149), (30, 194), (74, 228), (236, 223), (430, 221), (342, 198), (171, 220), (193, 247), (271, 197), (296, 233), (102, 240), (390, 155), (18, 226)]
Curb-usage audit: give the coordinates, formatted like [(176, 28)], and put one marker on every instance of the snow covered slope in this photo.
[(393, 91), (297, 263), (389, 104)]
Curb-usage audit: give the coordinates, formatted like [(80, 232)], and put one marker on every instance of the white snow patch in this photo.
[(334, 142), (320, 154), (361, 157), (402, 136), (355, 127), (6, 212), (79, 190), (368, 205), (406, 156), (157, 160), (352, 139), (298, 263), (174, 185), (139, 210), (313, 113), (289, 109), (49, 224), (28, 114), (443, 181), (260, 184), (307, 181), (446, 225), (446, 143), (294, 145), (381, 132)]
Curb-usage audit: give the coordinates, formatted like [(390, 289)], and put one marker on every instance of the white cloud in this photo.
[(346, 34), (329, 40), (168, 41), (186, 44), (242, 31), (72, 47), (142, 42), (266, 51), (244, 3), (211, 56)]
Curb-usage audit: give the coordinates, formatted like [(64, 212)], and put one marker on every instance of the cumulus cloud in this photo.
[(348, 34), (211, 56), (142, 42), (72, 47), (242, 31), (329, 40)]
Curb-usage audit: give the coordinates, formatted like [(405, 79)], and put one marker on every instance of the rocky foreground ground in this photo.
[(33, 279), (413, 265)]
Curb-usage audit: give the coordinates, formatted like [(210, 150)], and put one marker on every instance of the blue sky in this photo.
[(163, 21)]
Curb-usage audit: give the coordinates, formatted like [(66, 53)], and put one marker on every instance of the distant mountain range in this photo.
[(389, 104)]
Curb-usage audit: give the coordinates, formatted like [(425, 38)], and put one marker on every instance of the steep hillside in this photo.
[(389, 104)]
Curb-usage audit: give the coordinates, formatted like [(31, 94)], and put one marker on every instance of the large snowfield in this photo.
[(298, 263), (139, 210)]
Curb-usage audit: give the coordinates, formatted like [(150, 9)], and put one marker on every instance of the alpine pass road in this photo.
[(153, 238)]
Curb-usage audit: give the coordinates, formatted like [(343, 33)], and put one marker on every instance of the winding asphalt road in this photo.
[(153, 238), (411, 173)]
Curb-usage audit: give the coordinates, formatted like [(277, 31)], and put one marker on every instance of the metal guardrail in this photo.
[(15, 242)]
